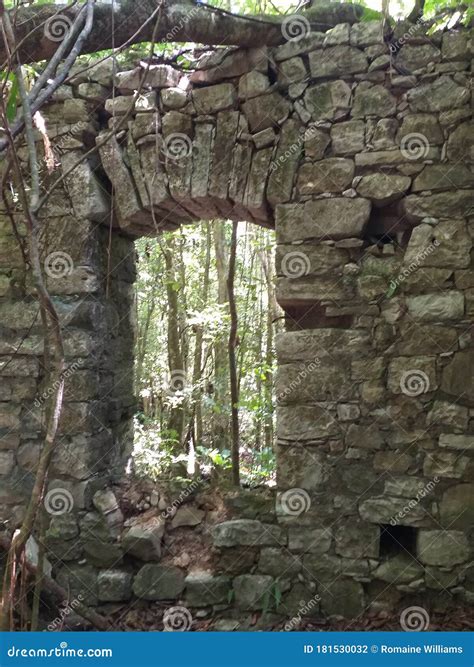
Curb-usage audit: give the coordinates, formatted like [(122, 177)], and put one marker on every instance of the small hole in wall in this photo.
[(397, 539), (387, 225)]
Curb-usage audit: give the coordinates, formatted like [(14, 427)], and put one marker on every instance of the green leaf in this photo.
[(12, 100)]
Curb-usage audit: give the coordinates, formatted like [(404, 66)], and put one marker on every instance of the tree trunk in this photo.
[(175, 354), (178, 21), (234, 385), (221, 393), (198, 346)]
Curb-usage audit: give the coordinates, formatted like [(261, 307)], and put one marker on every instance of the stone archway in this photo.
[(363, 174)]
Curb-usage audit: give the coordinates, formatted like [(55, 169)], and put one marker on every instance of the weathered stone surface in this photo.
[(364, 436), (246, 532), (383, 189), (443, 177), (314, 344), (327, 99), (337, 35), (143, 540), (337, 218), (302, 467), (187, 516), (203, 589), (315, 143), (458, 377), (448, 244), (457, 507), (357, 540), (393, 157), (337, 61), (384, 508), (127, 201), (401, 569), (445, 464), (330, 175), (285, 162), (292, 71), (309, 260), (423, 124), (442, 547), (278, 563), (461, 142), (373, 101), (266, 111), (443, 94), (114, 586), (214, 98), (295, 47), (343, 597), (455, 441), (448, 414), (304, 382), (412, 376), (253, 84), (431, 307), (253, 591), (367, 33), (89, 198), (348, 138), (309, 540), (79, 580), (158, 582), (455, 45), (415, 56), (302, 423), (174, 98)]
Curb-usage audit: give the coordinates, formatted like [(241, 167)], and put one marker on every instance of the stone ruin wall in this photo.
[(358, 153)]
